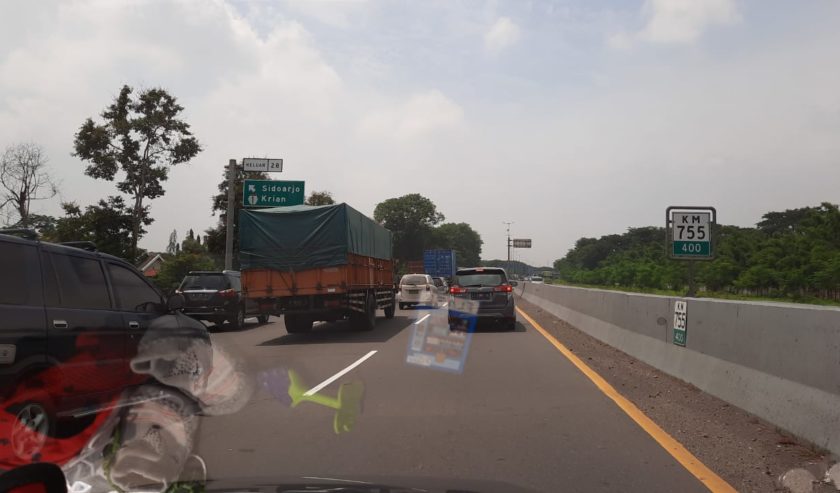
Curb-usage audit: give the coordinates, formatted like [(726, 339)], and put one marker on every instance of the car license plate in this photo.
[(413, 291), (481, 296), (200, 297)]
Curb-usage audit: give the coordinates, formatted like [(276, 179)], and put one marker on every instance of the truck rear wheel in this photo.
[(366, 320), (389, 310), (297, 324)]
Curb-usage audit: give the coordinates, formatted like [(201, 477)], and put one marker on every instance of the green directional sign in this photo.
[(270, 193)]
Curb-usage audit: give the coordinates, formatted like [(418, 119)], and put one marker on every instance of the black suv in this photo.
[(71, 320), (491, 288), (217, 297)]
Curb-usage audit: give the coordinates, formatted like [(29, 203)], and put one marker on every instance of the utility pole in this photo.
[(231, 207), (508, 223)]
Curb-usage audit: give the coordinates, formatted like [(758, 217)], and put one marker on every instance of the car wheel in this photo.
[(263, 319), (510, 324), (33, 423), (238, 319)]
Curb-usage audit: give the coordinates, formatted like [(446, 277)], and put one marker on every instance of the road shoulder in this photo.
[(747, 452)]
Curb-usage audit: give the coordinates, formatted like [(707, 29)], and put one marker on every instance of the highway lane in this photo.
[(520, 412)]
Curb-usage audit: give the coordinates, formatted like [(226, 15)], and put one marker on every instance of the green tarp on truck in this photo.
[(304, 237)]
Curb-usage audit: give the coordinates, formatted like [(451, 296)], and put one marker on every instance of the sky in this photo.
[(567, 118)]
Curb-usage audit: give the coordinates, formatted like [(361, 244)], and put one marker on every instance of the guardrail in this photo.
[(779, 361)]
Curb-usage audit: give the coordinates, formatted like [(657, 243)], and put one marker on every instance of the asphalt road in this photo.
[(520, 413)]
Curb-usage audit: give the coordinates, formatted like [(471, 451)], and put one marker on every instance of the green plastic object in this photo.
[(304, 237), (347, 405)]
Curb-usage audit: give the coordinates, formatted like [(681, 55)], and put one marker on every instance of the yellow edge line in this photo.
[(699, 470)]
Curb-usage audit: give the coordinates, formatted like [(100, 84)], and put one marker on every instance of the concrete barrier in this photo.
[(779, 361)]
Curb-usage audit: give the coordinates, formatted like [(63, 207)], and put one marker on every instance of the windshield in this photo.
[(413, 280), (204, 281), (404, 245)]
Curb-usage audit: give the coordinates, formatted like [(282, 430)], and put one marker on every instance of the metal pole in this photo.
[(692, 287), (231, 198)]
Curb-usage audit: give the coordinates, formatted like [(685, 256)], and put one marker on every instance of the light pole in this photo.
[(508, 223)]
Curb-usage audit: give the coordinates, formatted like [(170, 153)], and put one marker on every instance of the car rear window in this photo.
[(21, 273), (204, 281), (476, 278), (414, 280)]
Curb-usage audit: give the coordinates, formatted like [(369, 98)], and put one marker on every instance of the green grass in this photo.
[(806, 300)]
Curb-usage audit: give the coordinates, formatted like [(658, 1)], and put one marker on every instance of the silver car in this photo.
[(417, 289)]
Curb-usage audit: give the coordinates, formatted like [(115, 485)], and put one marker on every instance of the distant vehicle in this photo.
[(492, 289), (442, 287), (311, 263), (440, 263), (71, 320), (418, 289), (536, 279), (217, 297)]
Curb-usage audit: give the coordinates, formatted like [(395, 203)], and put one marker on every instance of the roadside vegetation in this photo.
[(792, 256)]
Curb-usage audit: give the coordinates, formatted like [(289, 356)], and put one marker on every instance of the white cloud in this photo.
[(336, 13), (420, 115), (677, 21), (502, 34), (620, 41), (683, 21)]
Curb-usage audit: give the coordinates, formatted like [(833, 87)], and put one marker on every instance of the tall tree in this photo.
[(214, 237), (459, 237), (320, 198), (411, 218), (142, 137), (24, 178)]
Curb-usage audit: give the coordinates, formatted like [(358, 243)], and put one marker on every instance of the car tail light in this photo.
[(227, 293), (504, 288), (457, 290)]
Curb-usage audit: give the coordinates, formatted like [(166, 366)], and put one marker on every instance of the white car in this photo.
[(536, 279), (417, 289)]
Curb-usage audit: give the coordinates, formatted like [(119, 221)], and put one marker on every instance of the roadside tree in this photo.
[(411, 219), (320, 198), (24, 178), (141, 137)]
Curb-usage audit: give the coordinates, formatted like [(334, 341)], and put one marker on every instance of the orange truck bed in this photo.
[(360, 272)]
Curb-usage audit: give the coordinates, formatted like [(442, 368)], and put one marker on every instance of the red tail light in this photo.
[(227, 293), (504, 288), (457, 290)]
